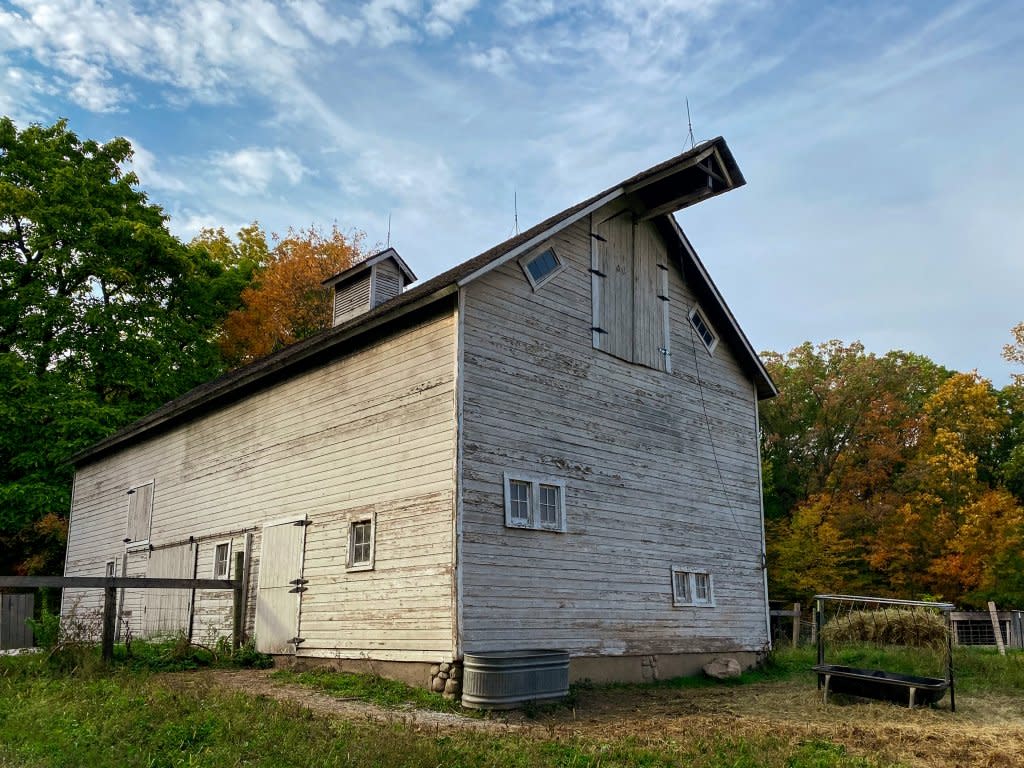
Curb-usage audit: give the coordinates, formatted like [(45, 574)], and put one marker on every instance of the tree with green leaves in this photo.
[(104, 315)]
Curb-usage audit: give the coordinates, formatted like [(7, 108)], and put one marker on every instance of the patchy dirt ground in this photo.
[(985, 731)]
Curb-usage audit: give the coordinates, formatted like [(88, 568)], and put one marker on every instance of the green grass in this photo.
[(131, 719)]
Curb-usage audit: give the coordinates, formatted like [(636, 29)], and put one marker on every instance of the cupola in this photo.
[(368, 284)]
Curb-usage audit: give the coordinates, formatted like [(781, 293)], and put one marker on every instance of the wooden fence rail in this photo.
[(110, 585)]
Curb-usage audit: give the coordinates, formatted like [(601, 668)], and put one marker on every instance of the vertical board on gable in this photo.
[(648, 332), (615, 257)]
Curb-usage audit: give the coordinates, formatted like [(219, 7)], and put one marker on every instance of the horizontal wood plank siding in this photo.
[(646, 487), (372, 431)]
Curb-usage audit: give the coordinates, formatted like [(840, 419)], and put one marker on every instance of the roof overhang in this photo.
[(695, 176)]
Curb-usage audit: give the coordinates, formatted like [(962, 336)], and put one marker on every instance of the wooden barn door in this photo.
[(280, 586), (168, 611)]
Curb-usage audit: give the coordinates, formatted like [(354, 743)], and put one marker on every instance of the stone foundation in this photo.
[(446, 679)]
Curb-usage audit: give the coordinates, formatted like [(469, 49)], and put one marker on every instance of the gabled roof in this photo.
[(366, 264), (705, 171)]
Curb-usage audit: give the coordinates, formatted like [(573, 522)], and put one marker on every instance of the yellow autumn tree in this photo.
[(286, 301)]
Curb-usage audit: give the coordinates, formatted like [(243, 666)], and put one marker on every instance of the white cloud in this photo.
[(391, 21), (250, 171), (445, 15), (495, 60), (144, 163), (327, 26)]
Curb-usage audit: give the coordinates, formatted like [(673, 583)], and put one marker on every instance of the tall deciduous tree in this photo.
[(103, 315), (286, 302)]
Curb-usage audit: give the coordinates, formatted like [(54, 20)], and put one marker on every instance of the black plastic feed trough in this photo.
[(908, 690)]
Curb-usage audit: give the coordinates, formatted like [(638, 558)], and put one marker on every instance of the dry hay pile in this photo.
[(917, 628)]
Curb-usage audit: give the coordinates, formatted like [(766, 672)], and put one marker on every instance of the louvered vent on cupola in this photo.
[(368, 284)]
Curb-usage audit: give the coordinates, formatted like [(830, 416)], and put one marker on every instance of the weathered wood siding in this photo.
[(647, 488), (371, 430)]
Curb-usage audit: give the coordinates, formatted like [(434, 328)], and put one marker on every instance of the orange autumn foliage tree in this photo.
[(883, 476), (286, 301)]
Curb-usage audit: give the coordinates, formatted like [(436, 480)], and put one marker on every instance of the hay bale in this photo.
[(917, 628)]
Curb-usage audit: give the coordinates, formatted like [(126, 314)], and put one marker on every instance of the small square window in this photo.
[(222, 560), (360, 544), (541, 267), (110, 568), (692, 587), (534, 502), (703, 329)]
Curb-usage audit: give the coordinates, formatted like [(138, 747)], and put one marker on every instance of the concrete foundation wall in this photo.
[(647, 669)]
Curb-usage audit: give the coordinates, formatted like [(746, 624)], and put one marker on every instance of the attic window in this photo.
[(700, 325), (541, 267)]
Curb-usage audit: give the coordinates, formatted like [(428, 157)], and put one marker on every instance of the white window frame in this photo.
[(534, 483), (524, 262), (110, 568), (691, 574), (227, 564), (140, 543), (695, 312), (350, 564)]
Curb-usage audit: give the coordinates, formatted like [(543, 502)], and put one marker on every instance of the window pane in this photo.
[(220, 560), (519, 500), (542, 265), (361, 543), (682, 586), (702, 587), (549, 505)]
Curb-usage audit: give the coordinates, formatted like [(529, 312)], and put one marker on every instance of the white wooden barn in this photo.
[(553, 445)]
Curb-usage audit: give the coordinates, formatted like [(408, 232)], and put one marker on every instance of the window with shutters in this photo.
[(534, 502), (140, 515), (691, 587), (630, 291)]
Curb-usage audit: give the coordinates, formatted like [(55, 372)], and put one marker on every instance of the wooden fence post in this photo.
[(995, 626), (109, 623), (796, 624), (236, 604)]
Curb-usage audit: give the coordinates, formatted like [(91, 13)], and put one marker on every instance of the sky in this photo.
[(881, 141)]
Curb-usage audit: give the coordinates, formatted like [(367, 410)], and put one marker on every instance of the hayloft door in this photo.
[(278, 597)]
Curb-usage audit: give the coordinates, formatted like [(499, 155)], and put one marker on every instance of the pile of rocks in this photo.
[(446, 679)]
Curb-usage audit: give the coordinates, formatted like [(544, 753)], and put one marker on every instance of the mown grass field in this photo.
[(134, 716)]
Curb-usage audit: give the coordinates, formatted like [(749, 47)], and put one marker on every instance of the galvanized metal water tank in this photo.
[(508, 679)]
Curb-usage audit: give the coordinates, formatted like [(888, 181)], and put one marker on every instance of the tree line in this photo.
[(890, 475), (883, 474)]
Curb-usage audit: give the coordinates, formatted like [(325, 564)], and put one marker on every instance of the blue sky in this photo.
[(881, 141)]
